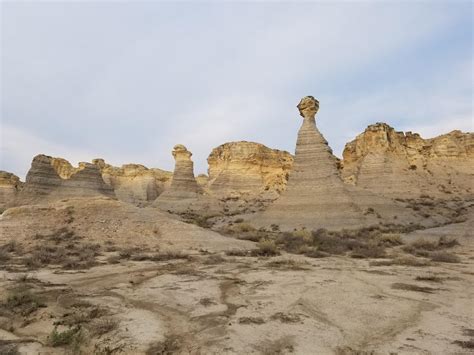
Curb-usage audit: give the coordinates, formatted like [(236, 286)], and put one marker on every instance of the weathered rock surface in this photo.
[(247, 169), (134, 183), (54, 178), (10, 186), (315, 196), (399, 164), (184, 193)]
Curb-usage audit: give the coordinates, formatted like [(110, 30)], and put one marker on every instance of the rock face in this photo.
[(399, 164), (247, 169), (54, 178), (134, 183), (184, 191), (315, 196), (10, 186)]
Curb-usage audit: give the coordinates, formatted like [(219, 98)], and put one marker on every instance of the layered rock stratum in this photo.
[(10, 186), (315, 195), (184, 193), (55, 178), (400, 164), (247, 169), (134, 183)]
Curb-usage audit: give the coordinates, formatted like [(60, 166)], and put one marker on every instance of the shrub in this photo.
[(266, 247), (251, 320), (66, 337), (368, 251), (22, 301)]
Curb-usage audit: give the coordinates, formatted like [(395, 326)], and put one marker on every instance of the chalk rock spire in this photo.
[(184, 189), (315, 196)]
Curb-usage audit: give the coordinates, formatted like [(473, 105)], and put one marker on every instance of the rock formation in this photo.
[(134, 183), (184, 193), (247, 169), (401, 164), (315, 196), (54, 178), (10, 185)]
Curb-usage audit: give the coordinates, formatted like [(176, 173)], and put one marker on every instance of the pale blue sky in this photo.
[(126, 81)]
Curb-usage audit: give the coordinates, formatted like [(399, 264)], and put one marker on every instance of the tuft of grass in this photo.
[(237, 252), (206, 301), (266, 247), (251, 320), (444, 257), (286, 317), (430, 278), (288, 264), (103, 326), (67, 337), (171, 345), (402, 260), (22, 301), (410, 287)]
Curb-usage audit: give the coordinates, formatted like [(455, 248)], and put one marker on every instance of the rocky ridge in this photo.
[(399, 164), (134, 183), (54, 178)]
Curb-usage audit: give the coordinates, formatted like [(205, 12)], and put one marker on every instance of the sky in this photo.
[(128, 80)]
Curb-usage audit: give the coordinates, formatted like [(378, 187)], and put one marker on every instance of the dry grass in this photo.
[(287, 264), (251, 320), (266, 247), (429, 278), (171, 345), (103, 326), (444, 257), (21, 301), (410, 287), (405, 260), (286, 317)]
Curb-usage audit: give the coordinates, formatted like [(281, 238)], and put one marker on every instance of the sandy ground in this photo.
[(212, 303)]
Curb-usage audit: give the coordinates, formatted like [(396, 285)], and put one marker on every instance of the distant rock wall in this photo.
[(247, 168), (399, 164), (134, 183), (10, 186)]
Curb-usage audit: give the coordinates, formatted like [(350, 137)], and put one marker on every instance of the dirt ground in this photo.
[(180, 292)]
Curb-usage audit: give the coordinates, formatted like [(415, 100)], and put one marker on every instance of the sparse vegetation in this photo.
[(266, 247), (170, 345), (70, 336), (444, 257), (286, 317), (405, 260), (21, 301), (410, 287), (251, 320), (103, 326), (429, 278)]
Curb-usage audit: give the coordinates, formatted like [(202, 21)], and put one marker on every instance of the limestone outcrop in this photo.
[(54, 178), (247, 169), (315, 196), (10, 186), (184, 193), (134, 183), (399, 164)]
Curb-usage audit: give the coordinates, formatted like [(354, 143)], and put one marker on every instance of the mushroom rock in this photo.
[(54, 178), (184, 193), (10, 185), (315, 196)]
